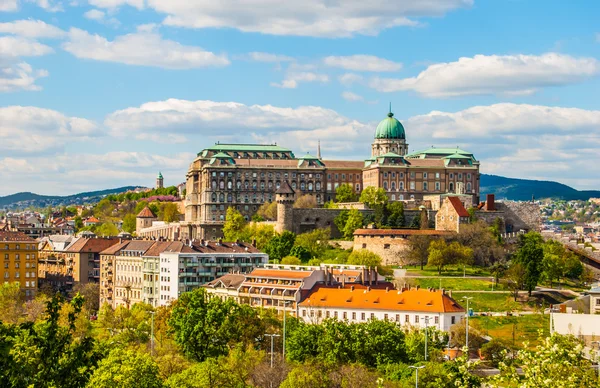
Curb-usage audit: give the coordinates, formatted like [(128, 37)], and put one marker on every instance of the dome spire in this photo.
[(390, 114)]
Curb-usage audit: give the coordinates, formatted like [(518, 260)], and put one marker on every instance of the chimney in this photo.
[(368, 288), (254, 242), (387, 289), (450, 293), (220, 241), (364, 275), (351, 288), (489, 203), (443, 291), (417, 287), (376, 275)]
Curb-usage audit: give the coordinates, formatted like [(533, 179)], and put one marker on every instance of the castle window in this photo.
[(393, 175), (401, 185), (294, 185), (393, 186), (437, 186), (318, 186), (451, 187), (214, 185), (437, 175), (336, 177), (412, 174), (238, 184), (302, 186), (424, 175), (254, 185), (393, 197), (424, 186), (229, 198), (468, 187), (343, 177), (459, 176), (270, 184), (412, 185), (358, 187), (451, 176), (246, 184), (310, 186), (469, 177), (229, 185), (214, 197), (385, 174)]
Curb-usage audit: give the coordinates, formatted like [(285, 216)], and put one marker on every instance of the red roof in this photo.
[(146, 213), (14, 236), (92, 219), (91, 245), (458, 207)]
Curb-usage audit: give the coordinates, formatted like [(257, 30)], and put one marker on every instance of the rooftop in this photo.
[(458, 206), (400, 232), (279, 273), (146, 213), (14, 236)]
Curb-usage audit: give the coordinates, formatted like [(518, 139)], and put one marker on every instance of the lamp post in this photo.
[(416, 368), (467, 298), (426, 334), (272, 335)]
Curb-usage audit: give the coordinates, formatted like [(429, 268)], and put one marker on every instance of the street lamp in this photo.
[(416, 368), (426, 334), (467, 298), (272, 335)]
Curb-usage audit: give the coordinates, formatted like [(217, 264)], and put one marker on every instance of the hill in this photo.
[(28, 199), (523, 189)]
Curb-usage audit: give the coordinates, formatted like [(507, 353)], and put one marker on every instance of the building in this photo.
[(283, 287), (144, 219), (391, 245), (19, 261), (107, 272), (52, 259), (248, 175), (82, 260), (151, 269), (185, 269), (128, 265), (452, 215), (409, 307), (160, 182)]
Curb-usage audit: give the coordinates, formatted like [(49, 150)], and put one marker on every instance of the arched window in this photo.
[(393, 197), (451, 187), (254, 185), (318, 186), (238, 184), (214, 197), (229, 198), (246, 200), (246, 184), (385, 185), (302, 186), (310, 186), (221, 197), (318, 198), (401, 197), (468, 187), (214, 185), (393, 186), (229, 185), (221, 185), (294, 185)]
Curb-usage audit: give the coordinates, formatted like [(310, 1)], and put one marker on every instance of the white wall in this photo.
[(577, 324)]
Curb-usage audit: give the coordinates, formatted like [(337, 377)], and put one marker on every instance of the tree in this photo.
[(107, 229), (418, 251), (530, 255), (345, 193), (340, 220), (442, 254), (355, 221), (305, 201), (479, 237), (496, 351), (396, 214), (91, 295), (280, 245), (206, 327), (129, 223), (315, 241), (306, 376), (206, 374), (234, 224), (300, 252), (373, 197), (458, 336), (291, 260), (268, 211), (169, 212), (11, 303), (126, 369), (364, 257), (516, 276)]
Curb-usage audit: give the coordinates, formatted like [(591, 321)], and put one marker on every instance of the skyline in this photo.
[(106, 93)]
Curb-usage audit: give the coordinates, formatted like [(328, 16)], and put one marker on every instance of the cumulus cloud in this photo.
[(348, 79), (94, 14), (268, 57), (31, 29), (9, 5), (494, 74), (16, 46), (27, 129), (293, 78), (349, 96), (320, 18), (16, 74), (144, 48), (112, 4), (362, 63)]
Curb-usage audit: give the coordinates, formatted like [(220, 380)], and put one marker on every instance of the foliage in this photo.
[(530, 255), (479, 237), (206, 327), (418, 251), (91, 295), (559, 263), (330, 205), (372, 197), (301, 253), (341, 219), (315, 241), (234, 225), (348, 221), (168, 212), (345, 193), (516, 276), (268, 211), (107, 229), (306, 201), (126, 369), (280, 245), (458, 336), (396, 214), (129, 223), (495, 351), (291, 260), (442, 254), (364, 257), (126, 326), (559, 361)]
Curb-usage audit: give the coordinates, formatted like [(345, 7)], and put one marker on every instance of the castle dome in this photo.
[(390, 128)]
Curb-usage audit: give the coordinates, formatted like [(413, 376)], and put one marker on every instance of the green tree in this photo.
[(340, 220), (234, 225), (306, 201), (345, 193), (206, 327), (418, 251), (107, 229), (207, 374), (78, 223), (126, 369), (280, 245), (291, 260), (530, 255), (396, 214), (300, 252), (516, 278), (306, 376), (355, 221), (364, 257), (372, 196), (315, 241), (169, 212), (268, 211), (442, 254), (129, 223)]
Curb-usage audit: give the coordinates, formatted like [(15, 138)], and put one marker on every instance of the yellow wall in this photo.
[(19, 264)]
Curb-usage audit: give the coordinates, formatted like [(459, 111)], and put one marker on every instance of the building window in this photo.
[(397, 317), (345, 315), (407, 318), (437, 175), (451, 187), (386, 246), (437, 186), (362, 316), (424, 175), (451, 176), (436, 320), (385, 185), (401, 186), (335, 314), (459, 177), (372, 316), (412, 185), (468, 187), (393, 186), (354, 316), (416, 319), (424, 186), (453, 320)]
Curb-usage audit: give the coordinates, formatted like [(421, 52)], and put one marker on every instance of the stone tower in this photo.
[(389, 137), (285, 197), (144, 219), (159, 181)]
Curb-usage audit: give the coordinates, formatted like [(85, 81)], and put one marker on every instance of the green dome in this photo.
[(390, 128)]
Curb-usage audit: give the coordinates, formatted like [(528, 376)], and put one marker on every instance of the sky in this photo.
[(100, 94)]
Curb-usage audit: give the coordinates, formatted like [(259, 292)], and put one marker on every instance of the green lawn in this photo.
[(461, 284), (451, 270), (488, 301), (526, 328)]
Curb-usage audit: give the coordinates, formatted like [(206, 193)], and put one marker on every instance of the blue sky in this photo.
[(103, 93)]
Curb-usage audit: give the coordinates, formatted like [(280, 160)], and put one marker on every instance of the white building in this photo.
[(186, 270), (409, 307)]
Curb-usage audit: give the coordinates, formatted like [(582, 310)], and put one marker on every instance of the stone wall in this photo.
[(514, 215), (393, 251)]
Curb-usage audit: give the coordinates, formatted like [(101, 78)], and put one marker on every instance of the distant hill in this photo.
[(26, 199), (523, 189)]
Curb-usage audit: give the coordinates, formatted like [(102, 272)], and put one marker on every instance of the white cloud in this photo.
[(362, 63), (141, 48), (16, 46), (321, 18), (19, 76), (348, 79), (48, 5), (293, 78), (494, 74), (9, 5), (268, 57), (27, 129), (31, 29), (112, 4), (349, 96), (94, 14)]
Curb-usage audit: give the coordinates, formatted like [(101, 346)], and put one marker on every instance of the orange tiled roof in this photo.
[(92, 219), (115, 248), (91, 245), (146, 213), (279, 273), (458, 206), (348, 272), (14, 236), (392, 300)]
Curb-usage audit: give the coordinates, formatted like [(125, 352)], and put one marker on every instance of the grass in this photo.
[(461, 284), (526, 328), (497, 301), (451, 270)]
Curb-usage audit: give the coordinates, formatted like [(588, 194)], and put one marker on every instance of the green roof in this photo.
[(160, 175), (390, 128), (440, 151), (308, 157), (221, 155), (248, 148), (457, 156)]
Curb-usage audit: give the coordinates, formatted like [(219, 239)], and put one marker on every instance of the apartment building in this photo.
[(19, 261)]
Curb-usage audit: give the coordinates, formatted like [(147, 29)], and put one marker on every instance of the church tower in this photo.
[(284, 197), (389, 137), (159, 181)]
